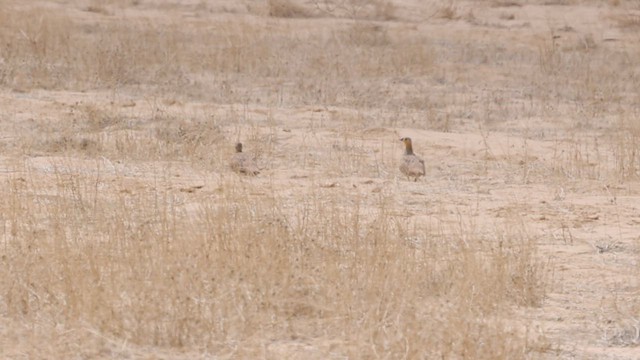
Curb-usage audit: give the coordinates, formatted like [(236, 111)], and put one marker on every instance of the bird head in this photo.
[(407, 145)]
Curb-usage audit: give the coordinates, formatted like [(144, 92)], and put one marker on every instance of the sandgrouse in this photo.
[(243, 163), (412, 165)]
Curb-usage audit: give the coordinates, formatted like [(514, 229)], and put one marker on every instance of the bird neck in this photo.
[(408, 150)]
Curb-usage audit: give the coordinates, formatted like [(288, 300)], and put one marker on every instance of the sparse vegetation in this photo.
[(128, 262), (126, 235)]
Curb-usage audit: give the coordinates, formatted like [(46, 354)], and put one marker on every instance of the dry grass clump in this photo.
[(357, 9), (628, 22), (287, 9), (506, 3), (109, 7), (106, 131), (449, 11), (98, 9), (225, 274), (367, 34), (626, 148), (67, 143)]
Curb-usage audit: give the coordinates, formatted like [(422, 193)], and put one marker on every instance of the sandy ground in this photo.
[(586, 229), (584, 218)]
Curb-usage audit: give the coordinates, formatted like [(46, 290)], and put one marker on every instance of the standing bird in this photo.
[(243, 163), (412, 165)]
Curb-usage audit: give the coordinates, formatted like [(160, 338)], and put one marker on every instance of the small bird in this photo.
[(412, 165), (243, 163)]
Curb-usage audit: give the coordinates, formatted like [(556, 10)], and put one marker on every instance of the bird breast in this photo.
[(412, 165), (244, 163)]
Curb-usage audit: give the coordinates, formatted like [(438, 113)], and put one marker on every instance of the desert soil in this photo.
[(499, 141)]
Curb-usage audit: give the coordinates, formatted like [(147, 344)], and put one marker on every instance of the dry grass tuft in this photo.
[(287, 9), (628, 22), (384, 10), (357, 9), (449, 12), (506, 3), (627, 149)]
